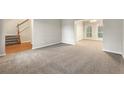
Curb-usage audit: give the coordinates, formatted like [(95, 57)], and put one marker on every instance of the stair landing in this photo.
[(18, 48)]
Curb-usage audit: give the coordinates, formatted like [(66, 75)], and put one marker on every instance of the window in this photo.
[(89, 31), (100, 32)]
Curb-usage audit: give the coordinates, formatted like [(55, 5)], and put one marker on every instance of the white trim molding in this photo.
[(115, 52), (26, 42), (46, 45), (71, 43), (123, 55), (2, 54)]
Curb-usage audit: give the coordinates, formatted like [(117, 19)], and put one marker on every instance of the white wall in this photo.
[(79, 30), (2, 39), (10, 28), (68, 32), (26, 35), (123, 38), (46, 32), (112, 38)]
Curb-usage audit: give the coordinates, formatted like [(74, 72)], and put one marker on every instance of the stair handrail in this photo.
[(18, 25)]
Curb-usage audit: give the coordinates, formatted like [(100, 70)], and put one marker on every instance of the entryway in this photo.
[(89, 29)]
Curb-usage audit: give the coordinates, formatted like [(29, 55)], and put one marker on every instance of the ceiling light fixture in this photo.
[(93, 21)]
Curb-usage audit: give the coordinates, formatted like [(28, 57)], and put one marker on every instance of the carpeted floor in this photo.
[(86, 57)]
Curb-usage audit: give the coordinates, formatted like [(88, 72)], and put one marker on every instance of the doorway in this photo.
[(18, 36), (93, 29), (90, 30)]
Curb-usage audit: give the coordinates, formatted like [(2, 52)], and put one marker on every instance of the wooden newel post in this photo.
[(18, 34)]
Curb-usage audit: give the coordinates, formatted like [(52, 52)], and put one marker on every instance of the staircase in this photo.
[(15, 39), (12, 39)]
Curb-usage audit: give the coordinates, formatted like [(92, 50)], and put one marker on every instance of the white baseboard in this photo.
[(115, 52), (45, 45), (10, 34), (123, 56), (25, 41), (68, 43), (2, 54)]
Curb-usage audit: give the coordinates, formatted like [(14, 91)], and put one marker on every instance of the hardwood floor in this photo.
[(18, 48)]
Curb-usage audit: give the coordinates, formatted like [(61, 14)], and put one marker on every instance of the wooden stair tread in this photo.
[(12, 39)]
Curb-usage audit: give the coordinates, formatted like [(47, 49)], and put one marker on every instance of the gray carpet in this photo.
[(86, 57)]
